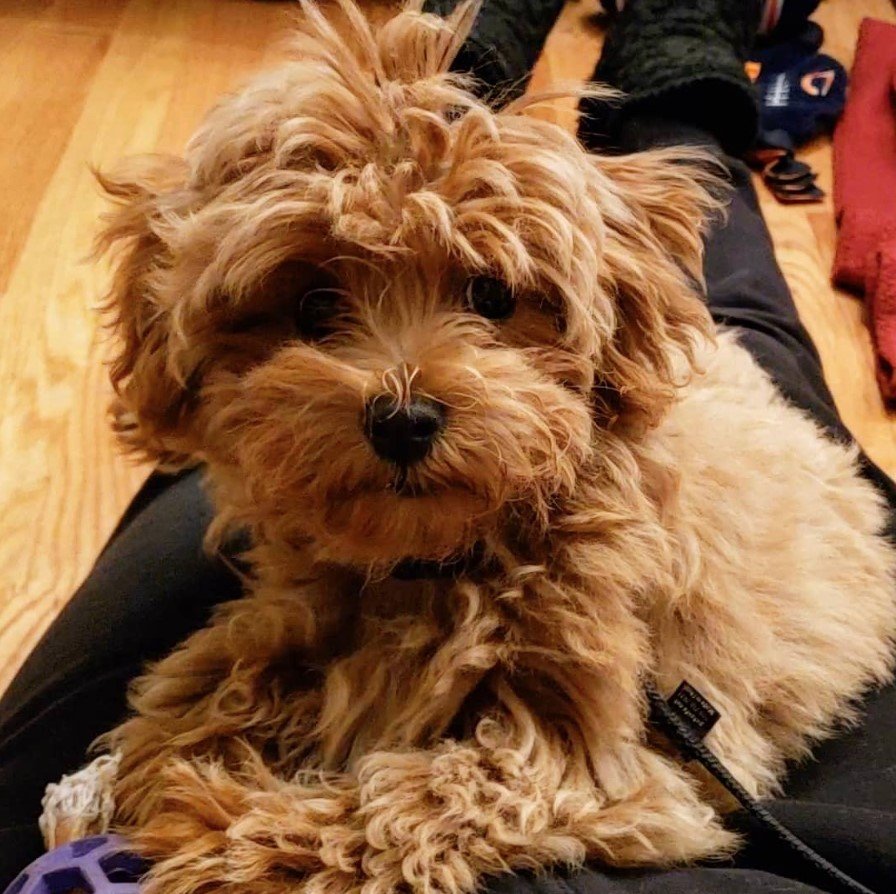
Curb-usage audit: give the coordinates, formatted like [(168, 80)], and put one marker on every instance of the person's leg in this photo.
[(838, 804), (745, 288), (681, 65), (151, 587)]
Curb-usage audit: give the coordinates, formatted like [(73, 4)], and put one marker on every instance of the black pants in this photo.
[(152, 586)]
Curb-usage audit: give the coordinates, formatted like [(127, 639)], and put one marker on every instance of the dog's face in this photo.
[(382, 311)]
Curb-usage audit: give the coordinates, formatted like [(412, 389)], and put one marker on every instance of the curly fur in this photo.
[(644, 501)]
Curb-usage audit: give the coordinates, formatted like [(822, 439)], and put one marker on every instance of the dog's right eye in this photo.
[(316, 311), (490, 297)]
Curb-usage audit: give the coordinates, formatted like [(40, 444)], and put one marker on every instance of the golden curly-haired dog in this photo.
[(451, 373)]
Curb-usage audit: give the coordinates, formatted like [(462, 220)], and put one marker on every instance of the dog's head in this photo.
[(381, 310)]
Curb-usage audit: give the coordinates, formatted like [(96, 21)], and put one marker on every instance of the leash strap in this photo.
[(688, 739)]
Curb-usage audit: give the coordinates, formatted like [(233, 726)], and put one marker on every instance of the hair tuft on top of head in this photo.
[(408, 46)]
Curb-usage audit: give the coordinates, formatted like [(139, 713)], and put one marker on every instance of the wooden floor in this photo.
[(83, 82)]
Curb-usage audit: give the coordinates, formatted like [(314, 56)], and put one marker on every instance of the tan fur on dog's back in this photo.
[(640, 500), (816, 621)]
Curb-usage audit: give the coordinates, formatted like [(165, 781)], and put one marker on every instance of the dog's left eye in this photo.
[(490, 297), (316, 310)]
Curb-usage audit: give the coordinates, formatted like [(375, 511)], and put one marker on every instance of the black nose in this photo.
[(403, 433)]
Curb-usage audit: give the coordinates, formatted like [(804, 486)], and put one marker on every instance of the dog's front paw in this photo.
[(80, 804), (440, 821), (251, 832)]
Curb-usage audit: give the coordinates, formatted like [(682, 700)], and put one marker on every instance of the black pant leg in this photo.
[(844, 802), (152, 586), (746, 290)]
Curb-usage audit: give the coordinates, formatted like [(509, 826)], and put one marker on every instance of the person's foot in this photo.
[(683, 60)]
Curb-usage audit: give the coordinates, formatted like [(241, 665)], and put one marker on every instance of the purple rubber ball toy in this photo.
[(98, 865)]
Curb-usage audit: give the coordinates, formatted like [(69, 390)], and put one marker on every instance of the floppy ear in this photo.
[(151, 395), (655, 212)]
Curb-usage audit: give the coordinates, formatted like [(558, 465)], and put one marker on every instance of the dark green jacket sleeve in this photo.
[(505, 43)]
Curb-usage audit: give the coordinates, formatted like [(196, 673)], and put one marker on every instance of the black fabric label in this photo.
[(693, 708)]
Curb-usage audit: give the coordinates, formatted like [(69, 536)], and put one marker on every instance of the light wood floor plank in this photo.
[(62, 486)]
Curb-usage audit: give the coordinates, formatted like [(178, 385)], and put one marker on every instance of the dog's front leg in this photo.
[(224, 832), (238, 687), (210, 786)]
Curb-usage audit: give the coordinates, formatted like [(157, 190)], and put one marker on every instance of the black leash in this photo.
[(686, 719)]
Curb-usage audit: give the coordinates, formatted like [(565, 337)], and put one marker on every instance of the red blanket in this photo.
[(865, 190)]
